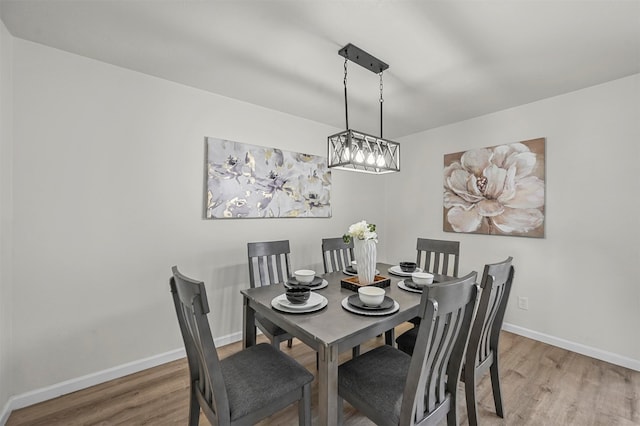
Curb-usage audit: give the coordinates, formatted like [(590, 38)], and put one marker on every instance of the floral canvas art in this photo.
[(498, 190), (249, 181)]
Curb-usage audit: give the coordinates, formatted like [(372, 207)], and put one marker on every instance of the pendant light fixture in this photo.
[(355, 150)]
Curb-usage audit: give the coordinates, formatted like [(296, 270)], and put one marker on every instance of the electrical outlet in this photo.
[(523, 303)]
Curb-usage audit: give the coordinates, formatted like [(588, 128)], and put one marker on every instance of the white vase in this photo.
[(365, 252)]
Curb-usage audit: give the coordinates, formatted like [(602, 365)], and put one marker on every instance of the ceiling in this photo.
[(449, 60)]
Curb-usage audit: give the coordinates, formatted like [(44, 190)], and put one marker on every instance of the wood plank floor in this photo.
[(542, 385)]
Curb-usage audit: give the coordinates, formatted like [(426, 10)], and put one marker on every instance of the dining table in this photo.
[(332, 329)]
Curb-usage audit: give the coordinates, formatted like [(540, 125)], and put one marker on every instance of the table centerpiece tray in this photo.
[(353, 283), (350, 271)]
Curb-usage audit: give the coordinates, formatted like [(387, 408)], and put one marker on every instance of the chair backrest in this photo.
[(446, 311), (485, 332), (438, 256), (190, 300), (268, 262), (336, 254)]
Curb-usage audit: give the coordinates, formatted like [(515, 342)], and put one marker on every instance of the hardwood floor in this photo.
[(542, 385)]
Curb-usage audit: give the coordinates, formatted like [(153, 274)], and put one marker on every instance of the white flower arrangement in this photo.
[(361, 231)]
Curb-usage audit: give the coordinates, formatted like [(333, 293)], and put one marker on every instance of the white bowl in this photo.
[(371, 296), (422, 278), (354, 265), (304, 276)]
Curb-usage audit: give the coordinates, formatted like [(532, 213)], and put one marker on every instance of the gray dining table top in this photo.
[(333, 325)]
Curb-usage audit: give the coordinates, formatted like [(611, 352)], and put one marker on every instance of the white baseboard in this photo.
[(230, 338), (610, 357), (83, 382), (4, 414)]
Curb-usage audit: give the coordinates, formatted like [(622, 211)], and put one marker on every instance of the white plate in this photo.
[(356, 274), (318, 287), (315, 303), (323, 285), (312, 302), (395, 270), (403, 286), (292, 281), (346, 305)]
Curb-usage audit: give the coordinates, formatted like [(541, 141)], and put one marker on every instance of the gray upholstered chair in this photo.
[(244, 387), (269, 264), (485, 335), (393, 388), (438, 256), (336, 254)]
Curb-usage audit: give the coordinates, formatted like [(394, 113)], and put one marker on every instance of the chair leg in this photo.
[(289, 343), (495, 385), (194, 407), (304, 406), (452, 415), (470, 394)]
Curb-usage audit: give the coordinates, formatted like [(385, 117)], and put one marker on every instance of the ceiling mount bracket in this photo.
[(362, 58)]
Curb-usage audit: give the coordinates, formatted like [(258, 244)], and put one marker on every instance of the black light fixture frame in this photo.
[(352, 150)]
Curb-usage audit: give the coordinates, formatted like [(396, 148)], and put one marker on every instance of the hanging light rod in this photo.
[(362, 58)]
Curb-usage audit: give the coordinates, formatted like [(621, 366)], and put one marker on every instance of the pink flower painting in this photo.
[(497, 190)]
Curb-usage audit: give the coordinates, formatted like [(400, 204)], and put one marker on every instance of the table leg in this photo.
[(328, 386), (248, 325), (390, 337)]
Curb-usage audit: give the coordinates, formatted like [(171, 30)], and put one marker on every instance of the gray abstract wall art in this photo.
[(249, 181)]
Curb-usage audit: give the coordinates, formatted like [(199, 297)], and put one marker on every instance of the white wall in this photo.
[(6, 124), (582, 278), (108, 178)]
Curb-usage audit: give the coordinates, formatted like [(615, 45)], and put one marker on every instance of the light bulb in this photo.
[(345, 154), (370, 158)]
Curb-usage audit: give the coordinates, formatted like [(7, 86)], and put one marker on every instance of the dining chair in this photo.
[(391, 387), (438, 256), (336, 254), (482, 353), (244, 387), (269, 264)]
